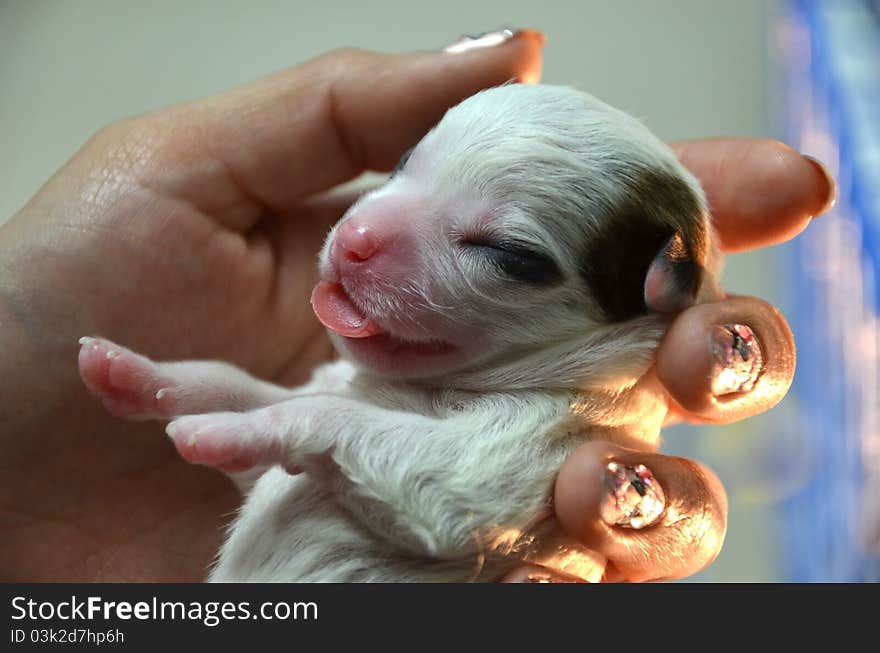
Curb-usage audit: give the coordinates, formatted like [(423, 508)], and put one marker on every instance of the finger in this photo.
[(760, 192), (725, 361), (687, 517), (322, 123)]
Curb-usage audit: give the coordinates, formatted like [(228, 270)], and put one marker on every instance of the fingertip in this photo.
[(533, 39), (518, 59), (725, 361), (530, 44), (761, 191), (592, 499), (682, 539)]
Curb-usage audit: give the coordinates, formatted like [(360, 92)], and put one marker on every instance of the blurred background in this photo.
[(804, 479)]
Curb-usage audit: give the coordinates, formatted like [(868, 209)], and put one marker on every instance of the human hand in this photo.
[(187, 233), (761, 193), (190, 232)]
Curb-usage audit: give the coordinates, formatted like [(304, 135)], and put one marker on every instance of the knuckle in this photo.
[(125, 146)]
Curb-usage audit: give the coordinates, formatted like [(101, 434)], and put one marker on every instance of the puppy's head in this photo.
[(529, 217)]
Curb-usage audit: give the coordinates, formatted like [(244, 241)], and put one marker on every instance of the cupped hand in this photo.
[(192, 233), (760, 193)]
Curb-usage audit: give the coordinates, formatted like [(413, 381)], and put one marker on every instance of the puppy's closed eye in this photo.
[(518, 262)]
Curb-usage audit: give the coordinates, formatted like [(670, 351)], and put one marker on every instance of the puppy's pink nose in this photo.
[(356, 241)]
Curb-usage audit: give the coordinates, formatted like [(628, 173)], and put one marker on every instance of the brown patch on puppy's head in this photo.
[(661, 222)]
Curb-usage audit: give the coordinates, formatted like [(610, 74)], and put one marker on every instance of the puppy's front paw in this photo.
[(128, 384), (231, 442)]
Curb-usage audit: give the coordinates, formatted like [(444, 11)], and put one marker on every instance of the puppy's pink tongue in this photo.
[(335, 310)]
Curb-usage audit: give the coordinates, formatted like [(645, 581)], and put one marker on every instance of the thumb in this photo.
[(319, 124)]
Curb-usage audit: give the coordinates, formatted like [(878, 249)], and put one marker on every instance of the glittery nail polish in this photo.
[(547, 578), (737, 359), (483, 40), (632, 497), (538, 578)]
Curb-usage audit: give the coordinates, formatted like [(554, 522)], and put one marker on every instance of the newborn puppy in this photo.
[(496, 303)]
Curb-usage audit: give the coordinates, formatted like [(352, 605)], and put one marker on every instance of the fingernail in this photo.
[(470, 42), (737, 360), (832, 184), (531, 573), (632, 498), (545, 579)]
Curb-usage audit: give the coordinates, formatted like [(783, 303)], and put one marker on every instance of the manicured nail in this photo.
[(737, 359), (532, 573), (832, 184), (470, 42), (632, 498), (546, 579)]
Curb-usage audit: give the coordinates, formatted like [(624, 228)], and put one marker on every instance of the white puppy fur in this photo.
[(497, 303)]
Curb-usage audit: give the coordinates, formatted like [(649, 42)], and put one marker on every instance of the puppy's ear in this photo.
[(648, 252), (673, 278), (636, 268)]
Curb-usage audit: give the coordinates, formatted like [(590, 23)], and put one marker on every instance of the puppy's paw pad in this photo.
[(127, 383)]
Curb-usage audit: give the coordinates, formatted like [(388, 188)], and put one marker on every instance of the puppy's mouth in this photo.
[(335, 309), (375, 344), (340, 313)]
